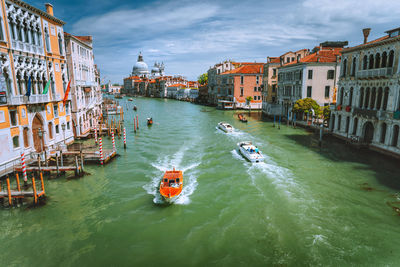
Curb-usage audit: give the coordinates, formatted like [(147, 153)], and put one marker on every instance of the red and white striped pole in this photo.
[(137, 122), (124, 138), (101, 151), (134, 124), (113, 140), (95, 135), (24, 167)]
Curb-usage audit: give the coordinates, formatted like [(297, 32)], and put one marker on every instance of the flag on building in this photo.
[(46, 88), (67, 92)]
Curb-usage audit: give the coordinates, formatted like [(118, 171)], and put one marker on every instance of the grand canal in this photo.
[(304, 206)]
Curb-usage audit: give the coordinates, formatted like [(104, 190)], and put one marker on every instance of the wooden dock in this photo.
[(21, 194), (93, 156), (48, 169)]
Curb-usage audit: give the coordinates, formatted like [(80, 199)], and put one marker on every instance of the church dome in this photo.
[(140, 67)]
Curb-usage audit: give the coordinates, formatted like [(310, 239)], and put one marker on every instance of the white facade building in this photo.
[(85, 88), (368, 103), (314, 76)]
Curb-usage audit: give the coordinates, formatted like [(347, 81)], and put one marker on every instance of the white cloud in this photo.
[(189, 37)]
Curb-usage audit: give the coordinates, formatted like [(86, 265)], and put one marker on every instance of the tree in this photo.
[(203, 79), (326, 112), (248, 102), (305, 105)]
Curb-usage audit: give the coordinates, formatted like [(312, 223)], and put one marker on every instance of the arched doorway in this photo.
[(368, 132), (37, 124)]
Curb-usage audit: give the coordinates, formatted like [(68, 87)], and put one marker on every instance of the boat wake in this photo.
[(189, 173), (279, 176)]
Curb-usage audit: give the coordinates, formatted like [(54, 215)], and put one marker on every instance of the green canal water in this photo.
[(304, 206)]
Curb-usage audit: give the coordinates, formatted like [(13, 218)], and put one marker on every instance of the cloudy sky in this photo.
[(191, 36)]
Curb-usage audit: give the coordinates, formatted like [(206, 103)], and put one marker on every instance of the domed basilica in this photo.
[(141, 69)]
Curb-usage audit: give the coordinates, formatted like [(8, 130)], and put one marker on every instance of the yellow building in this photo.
[(32, 55)]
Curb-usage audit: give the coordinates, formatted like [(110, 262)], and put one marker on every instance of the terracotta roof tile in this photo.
[(324, 56), (254, 68)]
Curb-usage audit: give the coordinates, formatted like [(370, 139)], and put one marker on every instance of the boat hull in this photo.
[(255, 158)]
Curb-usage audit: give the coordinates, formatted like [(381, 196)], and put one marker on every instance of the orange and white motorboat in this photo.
[(171, 185)]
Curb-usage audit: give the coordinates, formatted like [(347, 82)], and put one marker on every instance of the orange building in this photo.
[(241, 83), (32, 116)]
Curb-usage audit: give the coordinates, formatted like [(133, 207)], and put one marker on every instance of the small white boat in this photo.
[(226, 127), (250, 151)]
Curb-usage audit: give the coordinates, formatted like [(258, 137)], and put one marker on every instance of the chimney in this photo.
[(49, 9), (366, 32)]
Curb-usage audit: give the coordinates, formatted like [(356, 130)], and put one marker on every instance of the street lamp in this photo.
[(40, 134), (63, 128)]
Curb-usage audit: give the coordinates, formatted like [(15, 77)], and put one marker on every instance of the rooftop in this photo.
[(253, 68)]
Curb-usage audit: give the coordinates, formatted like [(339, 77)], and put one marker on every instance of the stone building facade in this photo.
[(368, 100)]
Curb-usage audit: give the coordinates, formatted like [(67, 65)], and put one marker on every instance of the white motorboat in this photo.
[(250, 151), (226, 127)]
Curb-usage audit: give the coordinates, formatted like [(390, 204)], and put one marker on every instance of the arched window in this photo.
[(395, 139), (50, 130), (373, 98), (347, 124), (371, 62), (385, 98), (379, 100), (377, 61), (355, 125), (353, 67), (344, 67), (391, 58), (383, 133), (333, 122), (47, 39), (360, 102), (60, 44), (384, 60), (339, 122), (351, 97), (341, 96), (366, 98), (365, 62), (26, 138)]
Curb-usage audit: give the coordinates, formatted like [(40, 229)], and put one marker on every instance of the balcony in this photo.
[(368, 113), (374, 73), (348, 108), (33, 99)]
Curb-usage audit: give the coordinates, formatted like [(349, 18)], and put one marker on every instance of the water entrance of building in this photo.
[(368, 132), (37, 124)]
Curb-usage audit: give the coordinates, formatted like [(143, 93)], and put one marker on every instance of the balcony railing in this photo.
[(365, 112), (33, 99), (374, 73)]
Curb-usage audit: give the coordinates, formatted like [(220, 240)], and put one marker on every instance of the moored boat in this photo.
[(242, 118), (149, 121), (250, 151), (171, 185), (130, 99), (226, 127), (134, 108)]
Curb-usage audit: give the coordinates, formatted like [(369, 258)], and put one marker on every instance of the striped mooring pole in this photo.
[(124, 138), (113, 140), (101, 151), (137, 122), (24, 167)]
